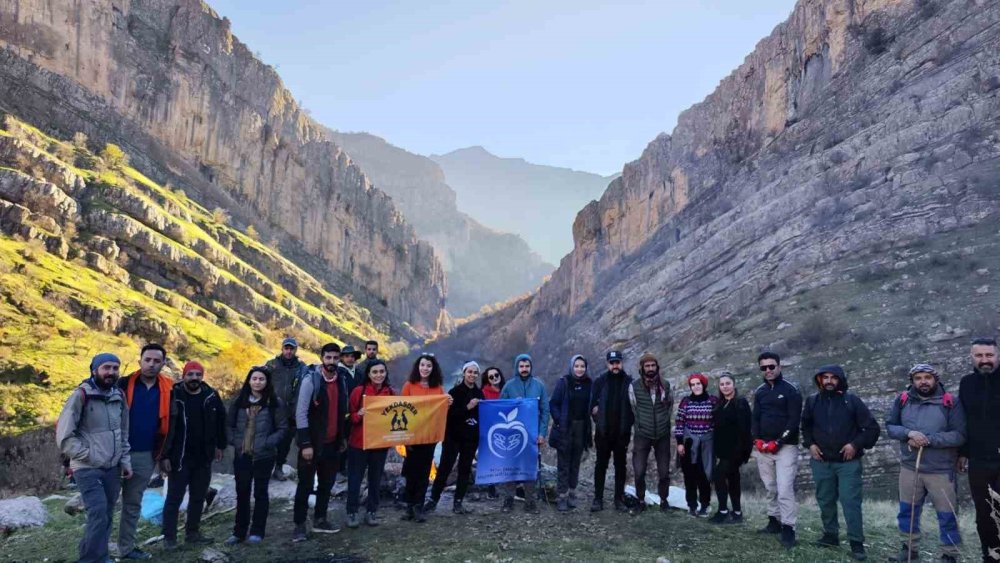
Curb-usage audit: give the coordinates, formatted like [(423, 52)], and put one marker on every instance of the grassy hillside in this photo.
[(95, 256)]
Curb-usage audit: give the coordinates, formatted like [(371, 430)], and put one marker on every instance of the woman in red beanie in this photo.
[(693, 431)]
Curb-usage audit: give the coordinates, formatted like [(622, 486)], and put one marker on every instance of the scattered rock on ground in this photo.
[(74, 505), (22, 512)]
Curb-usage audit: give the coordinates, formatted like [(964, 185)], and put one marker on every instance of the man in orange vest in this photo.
[(147, 393)]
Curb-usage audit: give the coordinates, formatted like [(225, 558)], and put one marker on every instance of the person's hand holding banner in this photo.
[(508, 441), (404, 420)]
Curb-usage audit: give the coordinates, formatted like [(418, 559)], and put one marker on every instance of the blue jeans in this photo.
[(99, 490)]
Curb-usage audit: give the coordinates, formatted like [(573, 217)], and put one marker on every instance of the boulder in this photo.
[(22, 512)]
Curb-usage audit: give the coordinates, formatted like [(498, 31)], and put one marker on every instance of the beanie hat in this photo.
[(193, 366), (700, 377), (925, 368), (103, 358), (470, 364), (647, 357)]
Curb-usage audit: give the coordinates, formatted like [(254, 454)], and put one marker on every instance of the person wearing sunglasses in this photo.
[(492, 383), (774, 425)]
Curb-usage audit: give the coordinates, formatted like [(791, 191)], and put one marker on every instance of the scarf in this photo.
[(251, 430)]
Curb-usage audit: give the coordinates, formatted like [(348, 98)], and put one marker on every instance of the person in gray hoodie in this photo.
[(92, 432), (926, 417)]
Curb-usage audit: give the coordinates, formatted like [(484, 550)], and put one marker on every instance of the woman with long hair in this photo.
[(374, 383), (492, 383), (425, 378), (693, 430), (461, 439), (571, 432), (257, 421), (732, 446)]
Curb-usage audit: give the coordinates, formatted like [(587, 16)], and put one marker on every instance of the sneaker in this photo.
[(137, 553), (168, 545), (418, 514), (828, 540), (773, 526), (787, 536), (372, 519), (693, 512), (353, 521), (198, 538), (232, 540), (571, 499), (279, 473), (531, 507), (562, 505), (324, 527), (597, 505), (508, 505), (735, 518), (458, 508), (719, 518), (299, 535), (904, 554), (255, 539), (431, 505), (703, 511), (858, 551)]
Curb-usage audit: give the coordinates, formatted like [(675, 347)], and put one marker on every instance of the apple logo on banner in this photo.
[(507, 438)]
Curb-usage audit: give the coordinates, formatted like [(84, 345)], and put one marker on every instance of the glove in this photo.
[(772, 447), (759, 445)]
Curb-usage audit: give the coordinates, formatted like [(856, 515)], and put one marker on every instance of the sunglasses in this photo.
[(493, 376), (769, 367)]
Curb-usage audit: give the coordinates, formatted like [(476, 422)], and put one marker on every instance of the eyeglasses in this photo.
[(769, 367)]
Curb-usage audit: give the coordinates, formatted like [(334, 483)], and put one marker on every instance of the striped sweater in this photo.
[(695, 416)]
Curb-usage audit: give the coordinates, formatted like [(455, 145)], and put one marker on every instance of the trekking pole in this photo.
[(913, 508)]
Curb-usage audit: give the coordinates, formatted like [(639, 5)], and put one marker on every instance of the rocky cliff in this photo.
[(534, 201), (483, 266), (835, 198), (167, 81)]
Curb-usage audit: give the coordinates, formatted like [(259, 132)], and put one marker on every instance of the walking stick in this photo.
[(913, 502)]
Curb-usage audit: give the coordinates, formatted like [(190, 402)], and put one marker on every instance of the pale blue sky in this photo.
[(577, 83)]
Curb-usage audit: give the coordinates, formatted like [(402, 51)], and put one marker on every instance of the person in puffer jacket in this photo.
[(257, 422), (927, 421), (92, 432), (571, 433), (837, 428)]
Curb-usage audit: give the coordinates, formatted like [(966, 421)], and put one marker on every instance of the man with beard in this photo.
[(837, 427), (926, 417), (196, 437), (147, 394), (525, 386), (286, 369), (93, 433), (979, 394), (371, 354), (651, 402), (613, 420)]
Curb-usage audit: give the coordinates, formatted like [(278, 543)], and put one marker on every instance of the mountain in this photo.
[(834, 199), (483, 266), (509, 194), (168, 82)]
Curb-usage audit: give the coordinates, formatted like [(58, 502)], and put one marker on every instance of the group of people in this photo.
[(116, 430)]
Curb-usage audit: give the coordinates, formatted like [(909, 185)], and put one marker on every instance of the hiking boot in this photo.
[(597, 505), (620, 505), (353, 521), (324, 527), (638, 509), (279, 473), (562, 505), (571, 499), (508, 504), (431, 505), (946, 559), (409, 514), (198, 538), (904, 554), (531, 506), (858, 551), (719, 518), (735, 518), (232, 540), (491, 493), (693, 513), (787, 536), (458, 508), (773, 526), (371, 519), (168, 545), (299, 535), (418, 514), (828, 540)]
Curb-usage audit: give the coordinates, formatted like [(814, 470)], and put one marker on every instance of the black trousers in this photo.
[(696, 486), (606, 449), (640, 460), (417, 470), (255, 474), (285, 445), (464, 453), (322, 468), (360, 462), (568, 457), (727, 483), (195, 481), (981, 481)]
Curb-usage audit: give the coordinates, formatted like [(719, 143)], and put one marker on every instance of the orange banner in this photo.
[(397, 420)]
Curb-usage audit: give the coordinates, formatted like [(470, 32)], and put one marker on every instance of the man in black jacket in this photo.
[(286, 369), (837, 428), (979, 394), (775, 429), (196, 437), (612, 414)]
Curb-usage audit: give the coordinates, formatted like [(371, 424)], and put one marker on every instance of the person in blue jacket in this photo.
[(525, 386), (571, 432)]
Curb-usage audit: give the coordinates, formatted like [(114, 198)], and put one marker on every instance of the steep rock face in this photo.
[(483, 266), (835, 199), (167, 80)]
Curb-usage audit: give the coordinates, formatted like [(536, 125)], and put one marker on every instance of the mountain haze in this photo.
[(534, 201)]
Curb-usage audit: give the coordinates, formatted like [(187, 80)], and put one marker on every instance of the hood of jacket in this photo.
[(525, 357), (835, 370), (571, 362)]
